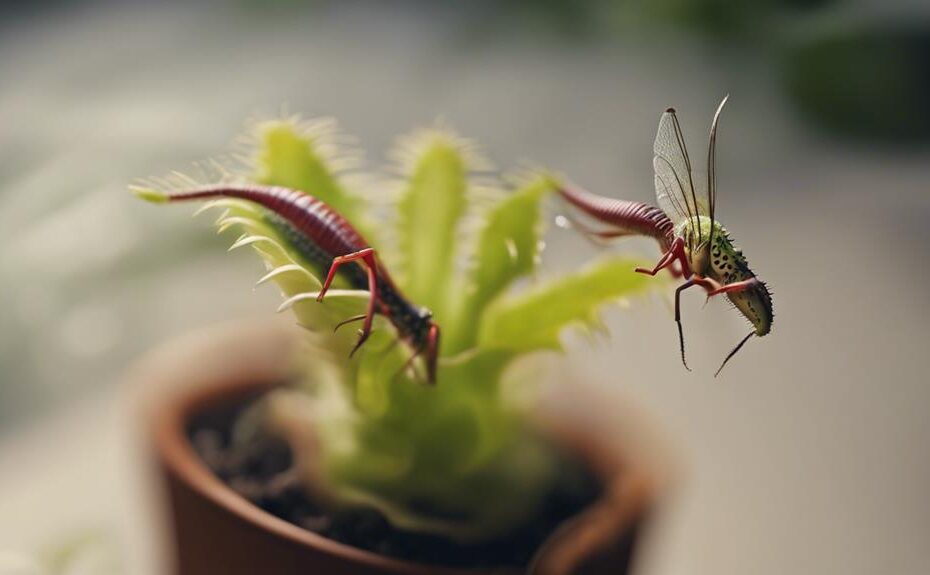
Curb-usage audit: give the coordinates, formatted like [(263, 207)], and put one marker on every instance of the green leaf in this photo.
[(429, 212), (303, 157), (507, 248), (536, 319)]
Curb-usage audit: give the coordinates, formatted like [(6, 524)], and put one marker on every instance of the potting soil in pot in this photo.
[(261, 471)]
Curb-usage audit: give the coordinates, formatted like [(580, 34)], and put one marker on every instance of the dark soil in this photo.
[(261, 472)]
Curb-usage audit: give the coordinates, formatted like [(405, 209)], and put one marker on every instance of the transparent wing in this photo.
[(682, 194)]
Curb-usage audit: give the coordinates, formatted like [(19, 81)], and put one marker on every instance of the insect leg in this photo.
[(337, 263), (732, 353), (674, 253), (666, 261), (597, 237), (708, 284), (681, 334), (734, 287), (368, 256)]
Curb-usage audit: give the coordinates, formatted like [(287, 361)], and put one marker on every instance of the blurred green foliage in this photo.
[(868, 82)]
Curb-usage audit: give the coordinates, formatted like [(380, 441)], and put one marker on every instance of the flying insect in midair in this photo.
[(686, 229)]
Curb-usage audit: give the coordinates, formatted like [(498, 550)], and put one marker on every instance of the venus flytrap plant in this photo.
[(456, 458)]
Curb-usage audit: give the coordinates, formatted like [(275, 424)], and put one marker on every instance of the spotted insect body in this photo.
[(718, 259)]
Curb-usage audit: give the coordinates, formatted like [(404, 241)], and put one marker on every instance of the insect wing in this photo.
[(682, 194)]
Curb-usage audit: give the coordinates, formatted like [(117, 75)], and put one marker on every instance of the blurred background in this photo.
[(810, 454)]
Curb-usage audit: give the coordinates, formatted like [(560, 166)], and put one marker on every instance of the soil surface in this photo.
[(261, 471)]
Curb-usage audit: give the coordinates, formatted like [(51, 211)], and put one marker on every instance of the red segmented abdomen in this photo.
[(636, 218), (320, 223), (328, 232)]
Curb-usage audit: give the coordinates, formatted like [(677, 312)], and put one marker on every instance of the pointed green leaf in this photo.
[(507, 248), (429, 212), (536, 319)]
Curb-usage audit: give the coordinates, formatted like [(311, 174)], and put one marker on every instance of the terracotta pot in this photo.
[(212, 530)]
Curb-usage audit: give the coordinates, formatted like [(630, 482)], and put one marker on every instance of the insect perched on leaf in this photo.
[(686, 229), (325, 239)]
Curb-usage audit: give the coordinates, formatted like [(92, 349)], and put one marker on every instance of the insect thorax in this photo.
[(722, 261), (697, 236)]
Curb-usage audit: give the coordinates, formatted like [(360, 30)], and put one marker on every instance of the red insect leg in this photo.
[(713, 288), (368, 256), (597, 237), (734, 287), (674, 253)]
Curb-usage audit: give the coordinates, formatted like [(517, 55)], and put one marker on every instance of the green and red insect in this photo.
[(686, 229), (325, 239)]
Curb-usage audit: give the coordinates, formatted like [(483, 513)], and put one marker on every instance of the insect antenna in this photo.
[(732, 353), (712, 169)]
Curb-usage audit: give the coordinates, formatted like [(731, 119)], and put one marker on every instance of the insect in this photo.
[(686, 229), (324, 238)]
